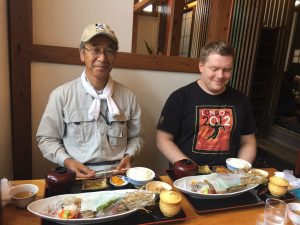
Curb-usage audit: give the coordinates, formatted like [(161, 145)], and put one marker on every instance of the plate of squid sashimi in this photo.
[(91, 207), (219, 185)]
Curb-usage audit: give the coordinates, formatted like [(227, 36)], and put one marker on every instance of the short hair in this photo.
[(222, 48)]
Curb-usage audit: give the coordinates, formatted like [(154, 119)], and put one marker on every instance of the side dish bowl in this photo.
[(158, 186), (140, 176), (237, 164), (23, 194), (118, 181)]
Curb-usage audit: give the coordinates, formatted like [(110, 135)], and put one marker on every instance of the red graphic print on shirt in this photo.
[(214, 127)]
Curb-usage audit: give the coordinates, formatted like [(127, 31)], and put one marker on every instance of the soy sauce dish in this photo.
[(118, 180)]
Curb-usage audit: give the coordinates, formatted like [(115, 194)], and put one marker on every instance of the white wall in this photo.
[(5, 119), (60, 23), (51, 26)]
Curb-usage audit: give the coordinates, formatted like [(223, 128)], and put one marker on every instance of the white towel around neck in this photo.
[(106, 94)]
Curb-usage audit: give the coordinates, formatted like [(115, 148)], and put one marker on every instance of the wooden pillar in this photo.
[(220, 20), (20, 30), (174, 21)]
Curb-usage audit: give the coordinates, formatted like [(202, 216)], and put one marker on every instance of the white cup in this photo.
[(275, 212)]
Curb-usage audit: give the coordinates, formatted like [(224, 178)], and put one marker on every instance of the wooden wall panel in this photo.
[(220, 20), (200, 26), (256, 73), (278, 14), (246, 25)]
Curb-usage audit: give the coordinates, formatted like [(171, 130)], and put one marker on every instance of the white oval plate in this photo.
[(37, 207), (182, 183)]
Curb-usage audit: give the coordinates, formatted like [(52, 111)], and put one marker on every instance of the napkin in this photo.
[(5, 188), (294, 182)]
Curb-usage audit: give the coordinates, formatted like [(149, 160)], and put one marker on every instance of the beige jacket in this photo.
[(65, 130)]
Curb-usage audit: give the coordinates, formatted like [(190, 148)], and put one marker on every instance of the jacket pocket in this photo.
[(117, 134), (80, 127)]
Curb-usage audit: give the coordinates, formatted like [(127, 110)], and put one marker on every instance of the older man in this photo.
[(208, 121), (93, 122)]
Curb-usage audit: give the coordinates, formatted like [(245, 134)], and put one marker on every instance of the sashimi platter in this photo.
[(220, 185), (91, 207)]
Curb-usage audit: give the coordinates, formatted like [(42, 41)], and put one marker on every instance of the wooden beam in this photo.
[(176, 25), (138, 7), (20, 30), (135, 26), (65, 55)]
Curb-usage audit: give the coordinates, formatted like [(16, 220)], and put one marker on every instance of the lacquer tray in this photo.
[(140, 217), (255, 197)]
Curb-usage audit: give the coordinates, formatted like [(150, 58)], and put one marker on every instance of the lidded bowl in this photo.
[(185, 167), (60, 179)]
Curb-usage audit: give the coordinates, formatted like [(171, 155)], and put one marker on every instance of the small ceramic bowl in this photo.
[(23, 194), (158, 187), (237, 164), (140, 176), (293, 212), (118, 181)]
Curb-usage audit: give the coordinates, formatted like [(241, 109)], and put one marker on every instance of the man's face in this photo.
[(98, 55), (215, 73)]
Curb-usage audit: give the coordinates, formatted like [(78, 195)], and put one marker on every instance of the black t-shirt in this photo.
[(207, 128)]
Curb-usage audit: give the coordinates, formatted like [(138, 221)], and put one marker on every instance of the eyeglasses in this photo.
[(96, 52)]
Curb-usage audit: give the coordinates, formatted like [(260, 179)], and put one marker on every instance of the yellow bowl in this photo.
[(277, 190), (168, 209), (170, 203)]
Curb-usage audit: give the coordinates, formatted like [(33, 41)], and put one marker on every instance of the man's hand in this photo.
[(125, 163), (81, 170)]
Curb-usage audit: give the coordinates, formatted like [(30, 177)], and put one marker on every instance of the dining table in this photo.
[(245, 216)]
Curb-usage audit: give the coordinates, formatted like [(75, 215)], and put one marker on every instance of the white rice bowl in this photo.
[(237, 164), (139, 176)]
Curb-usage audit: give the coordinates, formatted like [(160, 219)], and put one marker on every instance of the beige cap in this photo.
[(95, 29)]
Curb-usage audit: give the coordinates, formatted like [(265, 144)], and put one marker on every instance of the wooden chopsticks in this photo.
[(101, 174), (111, 171)]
